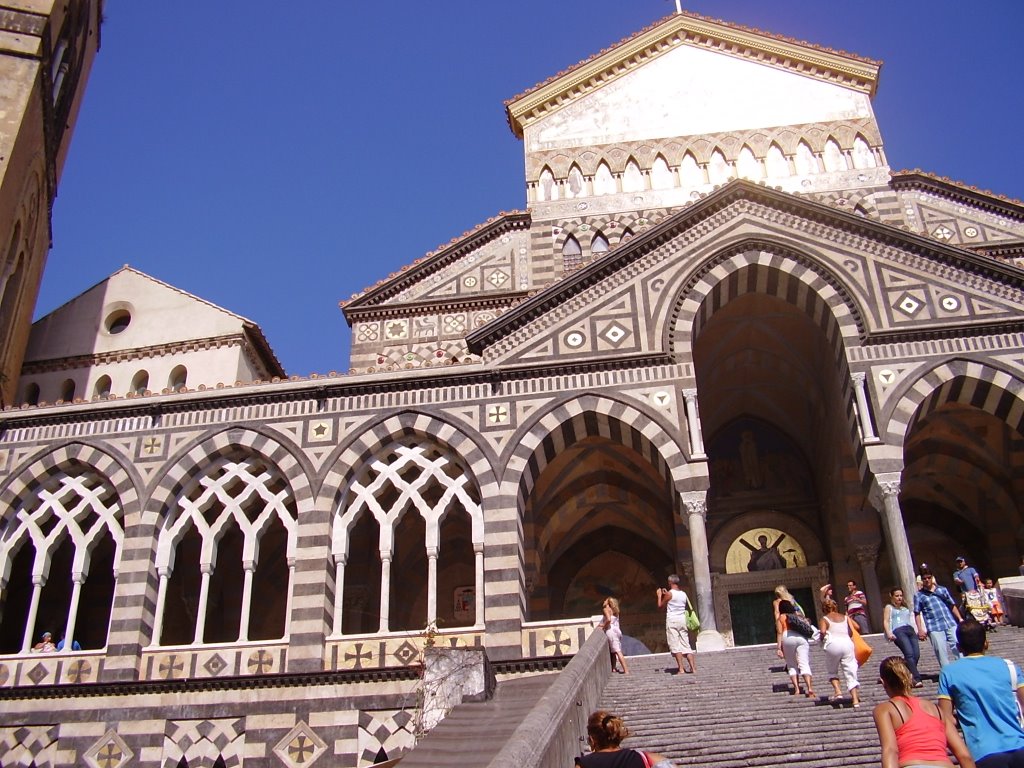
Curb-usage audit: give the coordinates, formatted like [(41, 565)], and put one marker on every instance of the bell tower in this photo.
[(46, 51)]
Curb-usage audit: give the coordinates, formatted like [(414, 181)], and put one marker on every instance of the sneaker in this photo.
[(918, 684)]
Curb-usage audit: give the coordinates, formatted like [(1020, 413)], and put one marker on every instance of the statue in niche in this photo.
[(764, 557), (750, 461)]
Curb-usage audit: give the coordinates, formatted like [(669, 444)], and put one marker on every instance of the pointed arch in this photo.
[(775, 162), (690, 173), (832, 156), (748, 166), (632, 177), (598, 244), (863, 156), (661, 175), (547, 187), (806, 162), (575, 183), (604, 181), (719, 169)]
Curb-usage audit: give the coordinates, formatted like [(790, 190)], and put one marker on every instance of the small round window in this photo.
[(118, 320)]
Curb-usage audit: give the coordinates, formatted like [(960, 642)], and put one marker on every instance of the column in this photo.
[(290, 600), (77, 579), (867, 556), (249, 568), (339, 592), (885, 494), (204, 596), (38, 582), (478, 594), (161, 600), (431, 585), (385, 589), (695, 503), (867, 429), (693, 425)]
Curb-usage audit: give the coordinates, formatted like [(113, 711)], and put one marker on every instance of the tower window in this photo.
[(118, 321)]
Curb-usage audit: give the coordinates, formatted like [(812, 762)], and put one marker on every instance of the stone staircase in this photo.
[(736, 711)]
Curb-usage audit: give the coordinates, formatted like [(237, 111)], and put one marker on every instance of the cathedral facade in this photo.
[(724, 339)]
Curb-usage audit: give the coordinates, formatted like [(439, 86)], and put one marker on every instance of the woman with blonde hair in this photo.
[(912, 731), (795, 649), (783, 593), (610, 625), (605, 734)]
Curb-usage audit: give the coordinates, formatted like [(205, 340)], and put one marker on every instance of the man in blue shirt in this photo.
[(965, 577), (934, 611), (986, 692)]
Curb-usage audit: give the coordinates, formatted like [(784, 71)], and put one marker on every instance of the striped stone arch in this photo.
[(774, 270), (114, 470), (349, 458), (589, 416), (964, 381), (192, 460)]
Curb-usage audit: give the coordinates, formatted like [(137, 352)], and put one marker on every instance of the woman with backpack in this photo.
[(794, 647)]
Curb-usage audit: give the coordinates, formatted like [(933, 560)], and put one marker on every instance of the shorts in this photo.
[(678, 637)]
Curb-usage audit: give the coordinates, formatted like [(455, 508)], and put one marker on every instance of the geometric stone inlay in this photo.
[(320, 430), (260, 662), (557, 642), (497, 278), (950, 303), (170, 667), (396, 329), (497, 414), (886, 376), (661, 399), (109, 752), (614, 333), (908, 305), (575, 339), (300, 746), (971, 231), (215, 664), (80, 671), (406, 652), (5, 674), (469, 281), (943, 233), (37, 673)]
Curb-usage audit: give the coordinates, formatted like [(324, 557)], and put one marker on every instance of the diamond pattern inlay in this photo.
[(300, 747), (406, 652), (908, 305), (215, 664), (37, 673)]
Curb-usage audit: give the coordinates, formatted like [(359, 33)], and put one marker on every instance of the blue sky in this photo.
[(276, 157)]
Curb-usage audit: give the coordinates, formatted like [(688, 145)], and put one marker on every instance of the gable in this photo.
[(881, 283), (689, 91), (158, 314)]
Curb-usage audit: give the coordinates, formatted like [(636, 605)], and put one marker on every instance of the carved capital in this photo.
[(867, 554), (690, 394), (696, 507), (889, 488), (858, 377)]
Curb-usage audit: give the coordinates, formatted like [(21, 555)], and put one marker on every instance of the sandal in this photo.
[(811, 695)]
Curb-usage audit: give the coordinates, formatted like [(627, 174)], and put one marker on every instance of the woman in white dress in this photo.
[(610, 625), (835, 629)]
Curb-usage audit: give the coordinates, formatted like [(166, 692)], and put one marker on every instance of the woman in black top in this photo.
[(605, 732)]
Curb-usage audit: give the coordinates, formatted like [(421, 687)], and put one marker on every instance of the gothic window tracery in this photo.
[(572, 254), (412, 519), (227, 545), (59, 556)]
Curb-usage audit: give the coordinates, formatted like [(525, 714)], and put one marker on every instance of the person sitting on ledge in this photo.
[(45, 644)]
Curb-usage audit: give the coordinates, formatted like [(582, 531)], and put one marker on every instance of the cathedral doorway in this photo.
[(600, 523)]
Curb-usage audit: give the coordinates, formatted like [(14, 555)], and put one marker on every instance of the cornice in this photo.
[(960, 192), (804, 58), (136, 353), (428, 307)]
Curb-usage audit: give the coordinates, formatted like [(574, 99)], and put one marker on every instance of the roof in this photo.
[(840, 67), (958, 190)]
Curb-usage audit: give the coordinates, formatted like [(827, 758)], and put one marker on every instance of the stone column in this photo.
[(867, 556), (77, 580), (695, 503), (385, 589), (339, 592), (478, 581), (161, 602), (38, 582), (886, 496), (693, 425), (249, 568), (431, 585), (867, 429), (204, 595)]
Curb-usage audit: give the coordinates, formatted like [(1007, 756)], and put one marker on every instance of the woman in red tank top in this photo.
[(912, 731)]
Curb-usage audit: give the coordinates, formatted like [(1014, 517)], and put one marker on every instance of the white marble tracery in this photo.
[(80, 508), (412, 478)]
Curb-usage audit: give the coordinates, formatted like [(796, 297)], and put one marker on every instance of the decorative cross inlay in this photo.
[(359, 656), (151, 445)]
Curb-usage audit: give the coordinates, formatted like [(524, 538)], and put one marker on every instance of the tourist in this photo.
[(610, 625), (898, 623), (782, 593), (839, 652), (995, 604), (966, 577), (937, 616), (857, 607), (45, 644), (674, 601), (987, 693), (605, 734), (795, 649), (914, 732)]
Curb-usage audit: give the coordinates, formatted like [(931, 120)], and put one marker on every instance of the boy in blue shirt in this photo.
[(986, 691)]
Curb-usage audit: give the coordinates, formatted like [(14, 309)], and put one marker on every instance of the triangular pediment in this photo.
[(696, 58), (486, 262), (898, 284)]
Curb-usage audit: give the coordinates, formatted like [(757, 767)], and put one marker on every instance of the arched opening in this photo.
[(690, 173), (102, 388), (604, 182), (833, 157), (806, 162), (632, 177), (572, 254), (140, 383), (661, 175), (599, 522), (598, 244), (178, 379), (575, 184), (719, 170), (775, 163), (67, 390), (748, 166), (547, 188), (32, 393)]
